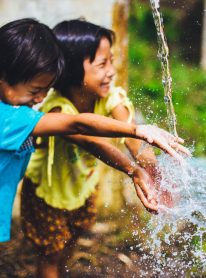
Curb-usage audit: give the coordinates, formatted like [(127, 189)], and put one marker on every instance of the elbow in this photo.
[(77, 127)]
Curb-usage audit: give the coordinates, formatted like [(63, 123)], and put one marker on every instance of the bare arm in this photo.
[(109, 154), (85, 124), (92, 124)]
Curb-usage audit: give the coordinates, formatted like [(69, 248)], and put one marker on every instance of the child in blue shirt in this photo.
[(30, 63)]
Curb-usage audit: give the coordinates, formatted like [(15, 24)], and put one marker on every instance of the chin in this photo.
[(28, 104), (105, 94)]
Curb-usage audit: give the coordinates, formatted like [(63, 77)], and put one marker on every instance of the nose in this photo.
[(39, 97), (111, 72)]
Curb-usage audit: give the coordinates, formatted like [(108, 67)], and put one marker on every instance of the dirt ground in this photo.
[(108, 251)]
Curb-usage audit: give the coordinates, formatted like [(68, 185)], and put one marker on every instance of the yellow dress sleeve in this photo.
[(118, 95)]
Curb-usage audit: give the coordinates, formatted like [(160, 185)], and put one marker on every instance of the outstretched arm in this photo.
[(95, 125), (109, 154)]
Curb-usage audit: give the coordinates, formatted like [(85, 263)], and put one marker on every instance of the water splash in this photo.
[(163, 55), (177, 235)]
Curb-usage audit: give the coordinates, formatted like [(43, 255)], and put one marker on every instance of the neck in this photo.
[(80, 101)]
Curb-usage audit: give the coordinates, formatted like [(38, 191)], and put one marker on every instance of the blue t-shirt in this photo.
[(16, 123)]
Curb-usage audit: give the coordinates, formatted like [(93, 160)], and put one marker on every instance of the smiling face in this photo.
[(99, 73), (29, 93)]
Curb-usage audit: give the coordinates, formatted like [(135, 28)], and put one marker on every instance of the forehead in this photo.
[(42, 81), (104, 48)]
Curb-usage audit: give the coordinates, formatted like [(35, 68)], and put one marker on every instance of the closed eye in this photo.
[(102, 63), (33, 93)]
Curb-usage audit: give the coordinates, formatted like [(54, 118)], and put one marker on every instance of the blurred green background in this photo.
[(183, 24)]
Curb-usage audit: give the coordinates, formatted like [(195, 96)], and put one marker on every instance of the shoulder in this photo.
[(104, 106), (9, 111), (113, 91), (55, 99), (116, 96), (16, 125)]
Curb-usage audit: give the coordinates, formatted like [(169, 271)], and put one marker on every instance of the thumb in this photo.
[(149, 138)]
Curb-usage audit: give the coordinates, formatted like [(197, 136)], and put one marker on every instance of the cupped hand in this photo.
[(165, 196), (143, 185), (160, 138)]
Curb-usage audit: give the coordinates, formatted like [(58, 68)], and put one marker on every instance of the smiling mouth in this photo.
[(105, 86)]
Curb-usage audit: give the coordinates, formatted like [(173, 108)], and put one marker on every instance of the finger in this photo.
[(183, 149), (170, 150), (140, 183), (141, 189), (174, 154), (144, 200), (152, 196), (180, 148), (148, 138), (180, 140)]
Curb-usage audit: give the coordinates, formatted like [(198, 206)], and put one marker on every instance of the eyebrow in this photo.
[(36, 88), (104, 59), (39, 88)]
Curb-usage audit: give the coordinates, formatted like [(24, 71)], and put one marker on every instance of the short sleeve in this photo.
[(16, 125), (119, 96)]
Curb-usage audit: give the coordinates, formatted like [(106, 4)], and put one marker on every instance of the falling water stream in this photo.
[(163, 55), (177, 235)]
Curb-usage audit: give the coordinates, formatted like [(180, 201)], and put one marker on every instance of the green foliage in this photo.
[(145, 77)]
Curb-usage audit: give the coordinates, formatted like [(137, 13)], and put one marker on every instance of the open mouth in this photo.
[(105, 86)]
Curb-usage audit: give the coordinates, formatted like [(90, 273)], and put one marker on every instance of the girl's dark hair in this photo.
[(78, 39), (28, 48)]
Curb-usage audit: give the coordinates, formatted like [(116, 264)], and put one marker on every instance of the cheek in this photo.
[(11, 95), (19, 98)]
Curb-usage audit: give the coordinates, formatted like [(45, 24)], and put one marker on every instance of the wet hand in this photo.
[(142, 183), (160, 138), (165, 196)]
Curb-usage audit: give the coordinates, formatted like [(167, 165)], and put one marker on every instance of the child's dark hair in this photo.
[(78, 39), (28, 48)]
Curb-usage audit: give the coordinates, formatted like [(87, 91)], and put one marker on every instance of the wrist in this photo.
[(138, 134), (133, 168), (146, 163), (141, 131)]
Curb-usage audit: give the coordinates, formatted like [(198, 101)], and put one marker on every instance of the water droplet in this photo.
[(166, 100)]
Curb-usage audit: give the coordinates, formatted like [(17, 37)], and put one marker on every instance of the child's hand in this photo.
[(142, 181), (163, 139), (165, 197)]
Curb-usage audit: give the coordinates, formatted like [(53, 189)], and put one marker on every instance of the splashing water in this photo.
[(177, 235), (163, 55)]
